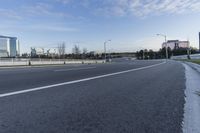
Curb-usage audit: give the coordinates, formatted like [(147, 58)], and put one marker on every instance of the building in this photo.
[(37, 51), (175, 44), (52, 52), (9, 46)]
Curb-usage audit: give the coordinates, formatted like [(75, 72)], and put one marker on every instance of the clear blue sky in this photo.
[(130, 24)]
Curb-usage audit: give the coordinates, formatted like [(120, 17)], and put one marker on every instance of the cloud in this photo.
[(64, 1), (40, 28), (53, 28), (9, 14), (38, 9), (143, 8), (119, 8), (43, 9)]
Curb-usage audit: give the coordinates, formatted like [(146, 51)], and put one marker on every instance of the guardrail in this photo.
[(192, 56), (28, 62)]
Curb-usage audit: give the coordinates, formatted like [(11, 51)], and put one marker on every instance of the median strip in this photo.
[(76, 81)]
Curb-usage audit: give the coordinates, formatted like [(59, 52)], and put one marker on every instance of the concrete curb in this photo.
[(191, 118), (47, 63), (194, 66)]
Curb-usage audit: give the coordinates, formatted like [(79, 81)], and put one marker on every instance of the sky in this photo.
[(129, 24)]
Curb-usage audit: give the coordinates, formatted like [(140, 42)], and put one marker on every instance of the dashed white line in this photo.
[(73, 69), (76, 81)]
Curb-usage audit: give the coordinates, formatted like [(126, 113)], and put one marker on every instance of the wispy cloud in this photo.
[(138, 8), (64, 1), (53, 28), (9, 14), (143, 8), (34, 10), (38, 17), (43, 9), (40, 28)]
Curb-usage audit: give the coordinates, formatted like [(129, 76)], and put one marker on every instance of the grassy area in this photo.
[(198, 93), (197, 61)]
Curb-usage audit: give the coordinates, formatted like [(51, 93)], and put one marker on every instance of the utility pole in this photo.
[(188, 50), (105, 48), (166, 48), (199, 42)]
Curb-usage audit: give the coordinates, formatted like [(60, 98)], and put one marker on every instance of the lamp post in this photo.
[(105, 47), (166, 51), (188, 51)]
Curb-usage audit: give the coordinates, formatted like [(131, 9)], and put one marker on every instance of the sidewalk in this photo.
[(194, 66), (191, 121)]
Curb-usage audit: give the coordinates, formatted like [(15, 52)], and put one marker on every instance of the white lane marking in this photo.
[(72, 69), (76, 81)]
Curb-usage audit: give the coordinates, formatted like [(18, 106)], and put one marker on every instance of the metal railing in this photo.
[(192, 56)]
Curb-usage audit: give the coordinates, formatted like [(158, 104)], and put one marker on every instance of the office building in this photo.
[(52, 51), (37, 51), (9, 46), (175, 44)]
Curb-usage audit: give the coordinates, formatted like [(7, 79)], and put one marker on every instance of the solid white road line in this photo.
[(72, 69), (76, 81)]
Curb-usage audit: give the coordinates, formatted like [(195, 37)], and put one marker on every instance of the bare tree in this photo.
[(84, 51), (76, 50), (61, 49)]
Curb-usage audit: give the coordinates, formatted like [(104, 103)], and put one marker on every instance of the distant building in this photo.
[(9, 46), (37, 51), (175, 44), (52, 52)]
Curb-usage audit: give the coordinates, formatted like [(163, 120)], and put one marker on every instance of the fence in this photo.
[(37, 61), (193, 56)]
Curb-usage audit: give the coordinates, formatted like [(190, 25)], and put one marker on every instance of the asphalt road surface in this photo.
[(130, 97)]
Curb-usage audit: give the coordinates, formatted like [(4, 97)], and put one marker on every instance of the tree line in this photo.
[(161, 54)]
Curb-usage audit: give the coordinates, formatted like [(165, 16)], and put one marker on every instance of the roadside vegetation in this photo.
[(198, 93), (161, 54), (197, 61)]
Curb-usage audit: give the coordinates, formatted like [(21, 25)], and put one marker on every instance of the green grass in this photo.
[(197, 61), (198, 93)]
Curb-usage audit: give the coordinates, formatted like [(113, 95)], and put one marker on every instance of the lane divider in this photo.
[(76, 81), (73, 69)]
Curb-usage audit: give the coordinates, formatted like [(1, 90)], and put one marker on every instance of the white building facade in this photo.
[(9, 46), (37, 51), (175, 44)]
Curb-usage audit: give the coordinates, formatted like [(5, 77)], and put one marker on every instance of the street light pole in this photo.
[(166, 48), (105, 48)]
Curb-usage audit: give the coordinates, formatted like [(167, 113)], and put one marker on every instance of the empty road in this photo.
[(119, 97)]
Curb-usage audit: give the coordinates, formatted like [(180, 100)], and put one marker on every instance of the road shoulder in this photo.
[(191, 119)]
